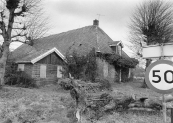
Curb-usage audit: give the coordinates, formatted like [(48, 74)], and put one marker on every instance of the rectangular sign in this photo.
[(168, 50), (155, 51), (151, 52)]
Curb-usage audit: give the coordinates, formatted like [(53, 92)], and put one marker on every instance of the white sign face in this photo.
[(167, 50), (147, 52), (154, 51), (159, 76)]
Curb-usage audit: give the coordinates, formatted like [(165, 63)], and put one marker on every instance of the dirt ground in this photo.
[(52, 105)]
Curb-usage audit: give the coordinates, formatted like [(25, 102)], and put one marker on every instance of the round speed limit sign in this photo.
[(159, 76)]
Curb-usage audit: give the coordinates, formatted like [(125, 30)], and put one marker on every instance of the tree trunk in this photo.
[(6, 33), (3, 61), (148, 62)]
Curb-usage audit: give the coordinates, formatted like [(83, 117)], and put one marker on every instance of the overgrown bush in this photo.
[(123, 104), (18, 78), (21, 79), (66, 84), (117, 60), (82, 66), (104, 84)]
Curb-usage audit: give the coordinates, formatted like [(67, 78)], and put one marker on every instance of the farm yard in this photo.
[(52, 104)]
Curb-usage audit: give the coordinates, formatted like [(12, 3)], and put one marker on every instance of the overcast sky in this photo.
[(67, 15), (71, 14)]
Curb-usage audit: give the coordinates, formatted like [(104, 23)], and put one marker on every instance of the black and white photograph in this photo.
[(86, 61)]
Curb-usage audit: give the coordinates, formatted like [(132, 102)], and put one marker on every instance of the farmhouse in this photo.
[(44, 59)]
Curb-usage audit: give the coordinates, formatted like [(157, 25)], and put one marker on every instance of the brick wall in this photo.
[(111, 76)]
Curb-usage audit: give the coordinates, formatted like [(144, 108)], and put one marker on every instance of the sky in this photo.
[(114, 19)]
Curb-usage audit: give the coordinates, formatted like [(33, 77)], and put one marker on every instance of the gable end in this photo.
[(47, 53)]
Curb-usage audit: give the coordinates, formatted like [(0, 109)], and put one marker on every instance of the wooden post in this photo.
[(171, 115)]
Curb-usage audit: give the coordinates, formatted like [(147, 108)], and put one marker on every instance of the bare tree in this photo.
[(152, 23), (21, 21)]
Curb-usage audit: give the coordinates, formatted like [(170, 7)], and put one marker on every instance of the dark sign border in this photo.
[(147, 76)]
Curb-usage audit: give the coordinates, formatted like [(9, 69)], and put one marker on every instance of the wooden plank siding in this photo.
[(51, 61), (28, 69), (53, 58), (51, 74)]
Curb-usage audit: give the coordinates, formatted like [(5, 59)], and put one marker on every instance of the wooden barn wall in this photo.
[(51, 61), (51, 74), (28, 69), (53, 58)]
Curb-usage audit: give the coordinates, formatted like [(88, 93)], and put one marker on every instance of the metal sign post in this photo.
[(159, 78), (164, 108), (171, 115), (163, 96), (159, 75)]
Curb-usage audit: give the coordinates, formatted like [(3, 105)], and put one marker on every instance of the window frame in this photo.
[(21, 67), (59, 73)]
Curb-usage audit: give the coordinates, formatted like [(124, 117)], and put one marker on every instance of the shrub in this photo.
[(66, 84), (123, 104), (104, 84), (82, 66), (118, 60), (18, 78)]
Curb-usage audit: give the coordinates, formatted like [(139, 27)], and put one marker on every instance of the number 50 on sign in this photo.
[(159, 76)]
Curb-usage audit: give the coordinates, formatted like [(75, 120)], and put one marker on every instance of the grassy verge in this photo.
[(53, 105), (34, 105)]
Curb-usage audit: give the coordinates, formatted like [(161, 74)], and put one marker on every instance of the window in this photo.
[(42, 71), (21, 67), (59, 71), (114, 48)]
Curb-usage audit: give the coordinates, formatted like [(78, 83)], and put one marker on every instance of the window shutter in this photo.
[(21, 67), (42, 71), (119, 50), (59, 71), (105, 69), (129, 73)]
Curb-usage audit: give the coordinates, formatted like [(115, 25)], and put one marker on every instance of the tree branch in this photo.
[(22, 10), (18, 28), (19, 35), (2, 25), (18, 41)]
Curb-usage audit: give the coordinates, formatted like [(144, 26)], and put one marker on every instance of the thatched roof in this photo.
[(82, 40)]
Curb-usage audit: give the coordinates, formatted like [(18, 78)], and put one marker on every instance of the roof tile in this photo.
[(82, 40)]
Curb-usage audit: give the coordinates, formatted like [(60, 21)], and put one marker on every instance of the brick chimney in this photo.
[(96, 22)]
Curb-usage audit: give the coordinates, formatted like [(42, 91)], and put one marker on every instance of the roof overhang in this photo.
[(22, 62), (47, 53), (119, 43)]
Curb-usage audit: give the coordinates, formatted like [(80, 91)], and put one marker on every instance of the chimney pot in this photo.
[(96, 22)]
